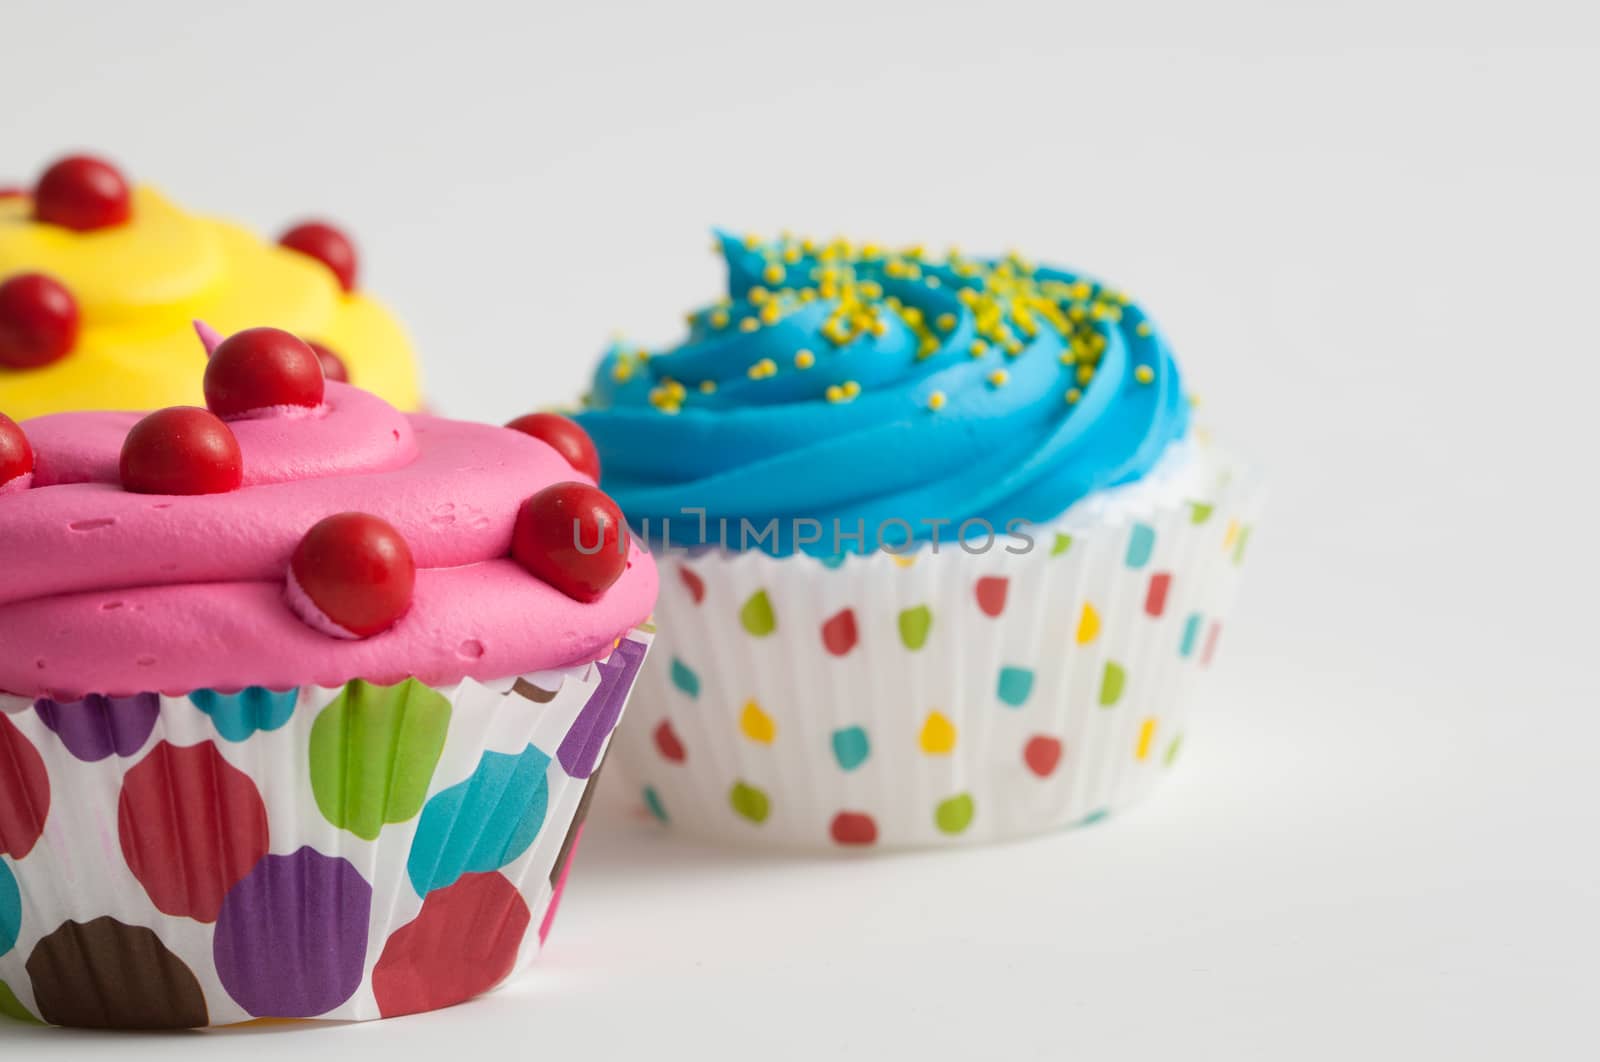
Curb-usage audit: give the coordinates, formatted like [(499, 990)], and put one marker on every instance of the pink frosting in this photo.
[(120, 593)]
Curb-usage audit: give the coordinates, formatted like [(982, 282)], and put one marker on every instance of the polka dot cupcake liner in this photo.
[(935, 698), (344, 854)]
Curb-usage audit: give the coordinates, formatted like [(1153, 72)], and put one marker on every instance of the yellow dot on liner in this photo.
[(938, 737), (804, 359), (719, 319), (708, 387), (1144, 328), (773, 274), (762, 369), (936, 401), (999, 377), (978, 349), (1147, 734), (946, 322), (1144, 374), (1088, 624), (756, 724), (749, 324)]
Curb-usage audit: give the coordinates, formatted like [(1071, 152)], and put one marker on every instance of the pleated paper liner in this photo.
[(934, 698), (341, 854)]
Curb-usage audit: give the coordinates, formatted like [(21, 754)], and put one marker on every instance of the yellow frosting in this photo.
[(140, 285)]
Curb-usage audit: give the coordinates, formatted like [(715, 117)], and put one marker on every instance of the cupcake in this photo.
[(943, 552), (304, 698), (99, 280)]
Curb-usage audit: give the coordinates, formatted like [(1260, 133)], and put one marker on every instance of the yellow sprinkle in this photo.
[(773, 274), (834, 393), (759, 295), (927, 347), (719, 319), (871, 289), (1073, 396), (1144, 328), (880, 327), (946, 322), (762, 369), (749, 324), (932, 281), (752, 242), (871, 250), (771, 312), (978, 349), (1085, 373), (804, 359), (936, 401), (851, 388), (999, 377), (967, 296), (622, 371), (1067, 357), (708, 387), (1144, 374), (791, 255), (912, 315), (1013, 348)]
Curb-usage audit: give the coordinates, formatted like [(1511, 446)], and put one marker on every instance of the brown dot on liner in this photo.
[(578, 818), (107, 975), (528, 690)]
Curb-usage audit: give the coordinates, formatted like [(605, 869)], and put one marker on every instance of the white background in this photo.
[(1371, 234)]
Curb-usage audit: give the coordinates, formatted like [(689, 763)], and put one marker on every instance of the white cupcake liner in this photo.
[(1011, 714), (209, 860)]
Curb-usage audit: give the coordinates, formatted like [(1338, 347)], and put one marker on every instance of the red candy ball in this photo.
[(261, 368), (38, 321), (82, 193), (16, 456), (327, 245), (357, 570), (333, 366), (565, 437), (181, 450), (557, 534)]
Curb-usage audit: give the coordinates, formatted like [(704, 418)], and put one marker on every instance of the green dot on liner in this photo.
[(373, 753), (1111, 684), (1062, 544), (757, 617), (12, 1007), (1199, 513), (750, 802), (914, 626), (955, 814)]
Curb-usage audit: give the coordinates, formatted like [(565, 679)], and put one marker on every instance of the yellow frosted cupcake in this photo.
[(100, 279)]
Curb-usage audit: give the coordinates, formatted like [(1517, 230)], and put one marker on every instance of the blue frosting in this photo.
[(884, 390)]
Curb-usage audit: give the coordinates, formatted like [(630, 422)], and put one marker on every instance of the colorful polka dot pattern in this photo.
[(342, 854), (1145, 603)]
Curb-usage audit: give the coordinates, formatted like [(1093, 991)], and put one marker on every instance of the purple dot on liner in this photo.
[(580, 749), (97, 726), (291, 941)]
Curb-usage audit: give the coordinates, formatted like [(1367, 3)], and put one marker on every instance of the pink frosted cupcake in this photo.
[(303, 700)]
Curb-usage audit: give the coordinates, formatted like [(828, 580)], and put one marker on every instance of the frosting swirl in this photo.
[(112, 592), (848, 383), (140, 283)]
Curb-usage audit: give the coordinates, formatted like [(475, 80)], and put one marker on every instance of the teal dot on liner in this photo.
[(684, 679), (652, 800), (851, 747), (10, 910), (483, 823), (1191, 634), (1015, 685), (833, 561), (1097, 815), (239, 716), (1141, 543)]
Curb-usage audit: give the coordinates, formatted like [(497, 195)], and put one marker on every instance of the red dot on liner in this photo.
[(462, 943), (328, 245), (839, 634), (564, 437), (571, 535), (358, 572), (82, 193), (991, 593), (696, 585), (1042, 753), (38, 321), (1155, 599), (1211, 643), (853, 828), (181, 450), (260, 369), (669, 744)]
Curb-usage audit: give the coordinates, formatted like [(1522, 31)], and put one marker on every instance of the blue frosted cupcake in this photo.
[(944, 551)]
